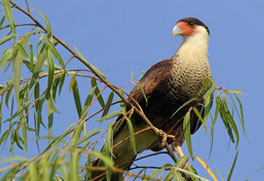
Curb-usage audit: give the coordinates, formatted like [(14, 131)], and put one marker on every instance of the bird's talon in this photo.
[(163, 135)]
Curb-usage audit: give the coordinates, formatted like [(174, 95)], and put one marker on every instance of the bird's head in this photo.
[(190, 26)]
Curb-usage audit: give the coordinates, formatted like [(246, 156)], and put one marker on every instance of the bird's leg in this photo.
[(178, 150), (163, 135)]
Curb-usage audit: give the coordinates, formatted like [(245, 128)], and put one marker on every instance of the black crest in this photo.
[(194, 21)]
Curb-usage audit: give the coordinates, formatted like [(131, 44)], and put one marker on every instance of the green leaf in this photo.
[(187, 132), (7, 55), (109, 140), (24, 134), (33, 175), (132, 136), (177, 176), (241, 114), (107, 161), (182, 106), (17, 72), (143, 92), (51, 71), (25, 104), (88, 102), (1, 113), (217, 102), (232, 168), (2, 21), (40, 60), (62, 78), (73, 80), (237, 92), (54, 168), (200, 117), (231, 121), (47, 23), (97, 93), (87, 136), (9, 15), (192, 174), (51, 109), (157, 172), (108, 103), (77, 99), (224, 116), (31, 57), (7, 38), (22, 50), (44, 165), (7, 96), (109, 116), (74, 166), (207, 107), (181, 162), (51, 106), (54, 51), (122, 104), (82, 57)]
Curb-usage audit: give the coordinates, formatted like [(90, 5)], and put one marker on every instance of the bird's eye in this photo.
[(191, 23)]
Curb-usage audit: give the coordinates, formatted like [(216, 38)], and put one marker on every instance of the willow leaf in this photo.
[(9, 15), (33, 175), (241, 114), (54, 51), (122, 104), (17, 72), (181, 162), (39, 62), (22, 50), (47, 23), (132, 135), (225, 120), (24, 134), (7, 55), (97, 93), (77, 99), (2, 21), (107, 161), (87, 136), (7, 38), (232, 122), (95, 68), (187, 132), (109, 116), (51, 71), (232, 168), (87, 102), (182, 106), (108, 103), (198, 114)]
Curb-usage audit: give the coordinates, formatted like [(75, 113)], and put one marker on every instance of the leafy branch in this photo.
[(63, 153)]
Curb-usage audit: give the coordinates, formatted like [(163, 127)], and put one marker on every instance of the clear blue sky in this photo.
[(120, 37)]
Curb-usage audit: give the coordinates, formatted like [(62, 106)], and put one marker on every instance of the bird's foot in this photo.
[(163, 136)]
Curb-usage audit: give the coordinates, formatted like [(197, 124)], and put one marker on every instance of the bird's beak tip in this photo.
[(176, 31)]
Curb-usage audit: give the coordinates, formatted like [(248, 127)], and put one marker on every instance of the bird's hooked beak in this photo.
[(176, 30)]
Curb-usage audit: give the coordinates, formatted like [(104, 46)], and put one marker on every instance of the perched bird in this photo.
[(163, 89)]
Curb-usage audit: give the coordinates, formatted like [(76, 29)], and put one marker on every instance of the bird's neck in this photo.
[(194, 47)]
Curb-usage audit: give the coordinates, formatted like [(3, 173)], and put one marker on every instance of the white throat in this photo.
[(195, 46)]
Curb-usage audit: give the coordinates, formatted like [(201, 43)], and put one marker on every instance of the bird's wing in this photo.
[(152, 81), (147, 89)]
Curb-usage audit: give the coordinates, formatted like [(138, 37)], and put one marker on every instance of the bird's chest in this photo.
[(187, 79)]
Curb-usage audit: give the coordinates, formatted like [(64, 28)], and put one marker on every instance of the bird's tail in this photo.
[(123, 152)]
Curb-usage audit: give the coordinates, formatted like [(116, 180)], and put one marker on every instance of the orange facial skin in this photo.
[(186, 28)]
